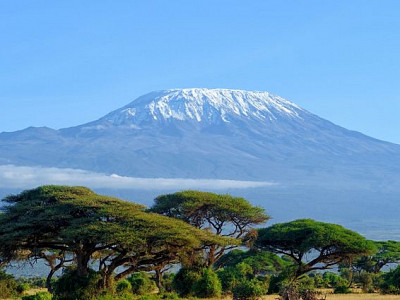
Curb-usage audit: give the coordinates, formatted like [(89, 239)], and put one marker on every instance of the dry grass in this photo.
[(348, 297)]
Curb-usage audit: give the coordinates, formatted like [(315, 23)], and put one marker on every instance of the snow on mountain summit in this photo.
[(203, 105)]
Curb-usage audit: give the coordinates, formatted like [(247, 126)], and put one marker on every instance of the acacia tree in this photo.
[(77, 221), (388, 252), (224, 215), (324, 244)]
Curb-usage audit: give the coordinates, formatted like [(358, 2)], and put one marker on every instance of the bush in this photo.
[(342, 288), (230, 277), (367, 282), (167, 280), (123, 286), (38, 296), (141, 283), (22, 287), (8, 285), (249, 289), (391, 282), (38, 282), (331, 279), (208, 285), (184, 280), (71, 286), (306, 283)]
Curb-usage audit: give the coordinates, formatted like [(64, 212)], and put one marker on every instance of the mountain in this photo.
[(320, 170), (212, 133)]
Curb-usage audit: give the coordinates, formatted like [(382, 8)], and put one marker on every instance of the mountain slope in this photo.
[(212, 133)]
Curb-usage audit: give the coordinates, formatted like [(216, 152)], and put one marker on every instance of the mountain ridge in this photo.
[(226, 134)]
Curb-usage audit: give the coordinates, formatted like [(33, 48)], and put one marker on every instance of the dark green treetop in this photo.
[(224, 215), (261, 262), (313, 245)]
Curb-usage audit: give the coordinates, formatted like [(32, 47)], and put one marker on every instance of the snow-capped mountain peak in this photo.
[(204, 106)]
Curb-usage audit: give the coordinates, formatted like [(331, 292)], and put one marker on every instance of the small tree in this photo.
[(326, 244), (222, 214)]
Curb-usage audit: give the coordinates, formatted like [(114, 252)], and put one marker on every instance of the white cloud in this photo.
[(28, 177)]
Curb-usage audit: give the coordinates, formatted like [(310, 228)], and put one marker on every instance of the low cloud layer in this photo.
[(28, 177)]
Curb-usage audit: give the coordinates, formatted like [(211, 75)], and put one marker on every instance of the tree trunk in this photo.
[(158, 278), (211, 256), (48, 280), (107, 280), (82, 260)]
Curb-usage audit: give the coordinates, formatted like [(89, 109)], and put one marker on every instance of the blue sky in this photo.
[(63, 63)]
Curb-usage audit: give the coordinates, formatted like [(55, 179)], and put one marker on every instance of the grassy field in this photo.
[(328, 297), (355, 296), (348, 297)]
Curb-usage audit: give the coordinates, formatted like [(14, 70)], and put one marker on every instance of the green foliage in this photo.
[(79, 221), (39, 296), (72, 286), (249, 289), (123, 286), (208, 286), (22, 287), (332, 243), (331, 279), (223, 214), (38, 282), (8, 285), (388, 252), (342, 288), (184, 280), (306, 283), (367, 282), (279, 281), (232, 276), (261, 262), (141, 283), (167, 282), (391, 282)]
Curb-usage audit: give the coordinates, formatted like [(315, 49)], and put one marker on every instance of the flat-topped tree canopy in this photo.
[(223, 214), (325, 244), (77, 220), (388, 252)]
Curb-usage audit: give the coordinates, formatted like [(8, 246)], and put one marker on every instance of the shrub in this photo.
[(123, 286), (38, 296), (8, 285), (367, 283), (391, 282), (232, 276), (22, 287), (208, 285), (184, 280), (342, 288), (167, 280), (306, 283), (332, 279), (141, 283), (249, 289), (71, 286)]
